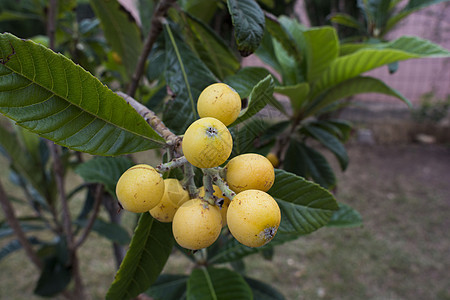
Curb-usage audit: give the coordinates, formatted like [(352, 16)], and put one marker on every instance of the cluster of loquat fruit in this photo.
[(251, 214)]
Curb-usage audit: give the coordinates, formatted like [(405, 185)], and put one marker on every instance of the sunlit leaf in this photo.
[(352, 65), (353, 86)]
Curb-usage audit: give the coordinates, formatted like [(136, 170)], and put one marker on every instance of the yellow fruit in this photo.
[(226, 202), (219, 101), (273, 159), (174, 196), (253, 218), (207, 143), (250, 171), (116, 57), (196, 224), (140, 188)]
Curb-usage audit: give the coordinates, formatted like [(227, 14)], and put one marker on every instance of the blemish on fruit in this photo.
[(269, 233), (211, 131)]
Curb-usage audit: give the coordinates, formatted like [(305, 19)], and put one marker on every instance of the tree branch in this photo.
[(155, 30), (51, 22), (15, 225), (152, 119), (93, 217), (59, 179)]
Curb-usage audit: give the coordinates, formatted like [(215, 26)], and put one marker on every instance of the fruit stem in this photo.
[(174, 163), (218, 180), (189, 182), (209, 190)]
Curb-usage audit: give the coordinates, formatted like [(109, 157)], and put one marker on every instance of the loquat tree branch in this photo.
[(15, 226), (209, 189), (155, 29), (156, 123), (97, 201), (174, 163), (217, 179), (51, 22)]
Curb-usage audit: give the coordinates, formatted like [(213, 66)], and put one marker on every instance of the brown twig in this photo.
[(155, 30), (156, 123), (93, 217), (58, 170), (15, 225), (51, 22)]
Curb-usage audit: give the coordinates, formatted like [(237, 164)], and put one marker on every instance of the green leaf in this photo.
[(305, 206), (297, 93), (307, 162), (48, 94), (57, 273), (145, 8), (284, 38), (246, 135), (7, 16), (104, 170), (412, 6), (352, 65), (186, 76), (261, 94), (6, 231), (169, 287), (330, 141), (339, 128), (238, 266), (322, 48), (149, 250), (203, 10), (232, 250), (245, 80), (353, 86), (120, 31), (346, 20), (249, 22), (112, 231), (295, 29), (15, 245), (211, 48), (345, 217), (268, 253), (263, 291), (349, 48), (219, 284), (290, 71), (21, 161), (156, 60), (266, 52)]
